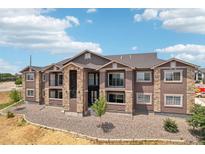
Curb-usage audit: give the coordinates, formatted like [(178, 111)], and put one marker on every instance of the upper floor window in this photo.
[(60, 79), (44, 77), (92, 79), (116, 79), (173, 100), (30, 76), (173, 75), (144, 76), (87, 56)]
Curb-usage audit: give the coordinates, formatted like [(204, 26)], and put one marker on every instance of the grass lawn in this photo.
[(4, 100), (12, 133), (4, 97)]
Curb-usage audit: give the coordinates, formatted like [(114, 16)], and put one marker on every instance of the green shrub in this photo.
[(18, 81), (99, 106), (15, 96), (10, 114), (170, 125), (21, 122), (197, 119)]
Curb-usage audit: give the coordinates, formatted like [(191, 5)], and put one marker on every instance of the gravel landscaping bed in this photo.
[(116, 126)]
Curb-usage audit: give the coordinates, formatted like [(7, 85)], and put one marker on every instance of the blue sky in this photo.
[(50, 35)]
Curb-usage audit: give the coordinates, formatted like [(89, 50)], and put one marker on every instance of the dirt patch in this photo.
[(8, 86), (4, 97), (11, 133)]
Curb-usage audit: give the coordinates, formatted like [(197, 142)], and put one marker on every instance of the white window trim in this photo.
[(115, 103), (30, 73), (181, 100), (150, 94), (115, 73), (144, 80), (27, 92), (181, 76)]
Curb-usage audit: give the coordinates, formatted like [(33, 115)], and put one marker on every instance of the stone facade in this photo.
[(129, 91), (38, 86), (24, 86), (80, 92), (80, 88), (102, 83), (190, 88), (157, 91)]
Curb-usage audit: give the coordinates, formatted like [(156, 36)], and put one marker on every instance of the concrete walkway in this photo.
[(115, 126)]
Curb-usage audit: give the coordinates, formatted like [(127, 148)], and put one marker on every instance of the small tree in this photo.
[(170, 125), (197, 119), (99, 107), (18, 81), (15, 95)]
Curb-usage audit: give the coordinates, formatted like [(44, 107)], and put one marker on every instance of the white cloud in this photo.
[(134, 48), (91, 10), (6, 67), (190, 52), (148, 14), (89, 21), (73, 20), (31, 29), (183, 20)]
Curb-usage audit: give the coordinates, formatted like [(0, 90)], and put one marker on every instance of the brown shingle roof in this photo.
[(145, 60)]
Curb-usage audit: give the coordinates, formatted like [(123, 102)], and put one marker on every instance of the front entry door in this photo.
[(93, 87), (92, 96)]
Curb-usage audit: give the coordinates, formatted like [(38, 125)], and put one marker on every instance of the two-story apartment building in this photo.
[(130, 83)]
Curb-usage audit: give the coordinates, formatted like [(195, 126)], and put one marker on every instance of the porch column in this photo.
[(190, 89), (129, 91), (46, 98), (66, 77), (80, 92), (157, 90), (102, 83)]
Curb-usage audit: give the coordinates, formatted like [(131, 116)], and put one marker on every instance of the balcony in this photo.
[(55, 80)]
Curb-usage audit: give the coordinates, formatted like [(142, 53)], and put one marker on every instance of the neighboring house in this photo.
[(200, 76), (130, 83)]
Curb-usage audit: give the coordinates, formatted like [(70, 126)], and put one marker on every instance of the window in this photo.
[(56, 94), (173, 100), (30, 76), (144, 98), (144, 76), (56, 79), (52, 79), (173, 75), (73, 83), (116, 97), (116, 79), (44, 77), (60, 79), (87, 56), (30, 92), (93, 79)]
